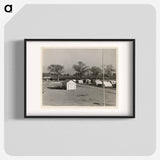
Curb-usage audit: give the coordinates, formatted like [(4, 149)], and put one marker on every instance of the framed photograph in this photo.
[(79, 78)]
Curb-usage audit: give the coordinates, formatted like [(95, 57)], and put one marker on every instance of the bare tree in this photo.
[(55, 69)]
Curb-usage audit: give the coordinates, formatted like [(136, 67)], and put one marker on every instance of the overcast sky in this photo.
[(69, 57)]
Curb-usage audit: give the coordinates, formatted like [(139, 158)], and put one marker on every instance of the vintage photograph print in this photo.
[(79, 77)]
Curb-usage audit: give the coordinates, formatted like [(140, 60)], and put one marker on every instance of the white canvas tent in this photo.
[(98, 82), (69, 85), (80, 81), (88, 81), (113, 81), (107, 84), (74, 80)]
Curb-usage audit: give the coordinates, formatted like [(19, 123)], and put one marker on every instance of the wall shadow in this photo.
[(18, 81)]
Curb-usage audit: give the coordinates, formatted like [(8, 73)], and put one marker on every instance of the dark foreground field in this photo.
[(84, 95)]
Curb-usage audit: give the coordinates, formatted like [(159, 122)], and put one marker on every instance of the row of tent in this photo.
[(71, 84), (97, 82)]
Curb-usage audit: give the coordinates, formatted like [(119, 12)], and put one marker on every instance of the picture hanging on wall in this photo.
[(79, 78)]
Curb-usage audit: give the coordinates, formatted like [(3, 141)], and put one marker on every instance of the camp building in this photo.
[(69, 85)]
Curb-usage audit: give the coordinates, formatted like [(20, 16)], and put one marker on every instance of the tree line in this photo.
[(81, 70)]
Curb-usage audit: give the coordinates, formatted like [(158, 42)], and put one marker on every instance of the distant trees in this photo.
[(108, 70), (80, 69), (56, 70), (95, 71)]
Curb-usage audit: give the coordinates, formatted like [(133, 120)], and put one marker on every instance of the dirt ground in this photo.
[(84, 95)]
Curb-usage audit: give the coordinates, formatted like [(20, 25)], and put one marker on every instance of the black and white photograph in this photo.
[(79, 77)]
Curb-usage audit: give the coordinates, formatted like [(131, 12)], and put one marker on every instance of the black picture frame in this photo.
[(25, 77)]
